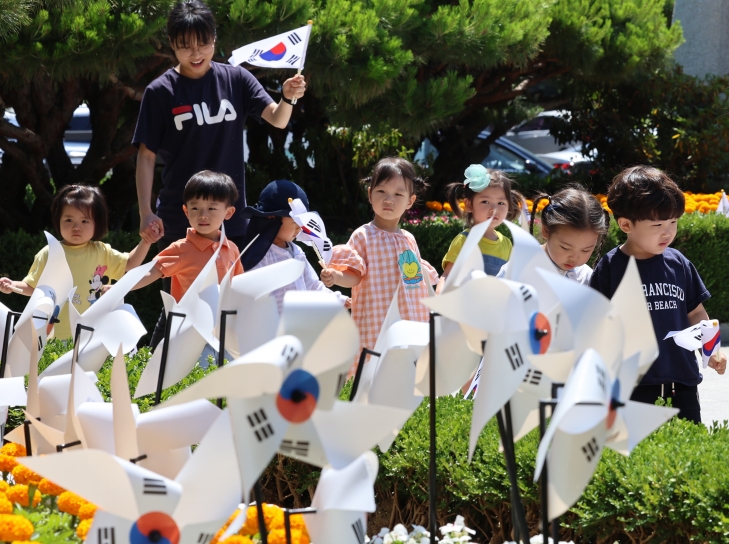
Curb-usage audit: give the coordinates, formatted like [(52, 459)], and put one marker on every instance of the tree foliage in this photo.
[(419, 67)]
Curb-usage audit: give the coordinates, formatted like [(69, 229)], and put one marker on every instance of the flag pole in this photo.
[(298, 72)]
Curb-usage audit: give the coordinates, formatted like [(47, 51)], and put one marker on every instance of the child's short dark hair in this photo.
[(396, 166), (644, 193), (87, 199), (190, 19), (572, 207), (456, 192), (211, 186)]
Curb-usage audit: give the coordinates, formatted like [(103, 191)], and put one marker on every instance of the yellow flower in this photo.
[(14, 527), (224, 528), (13, 450), (83, 528), (447, 207), (7, 463), (24, 542), (23, 475), (87, 511), (49, 488), (70, 503), (278, 536), (19, 495), (6, 507), (237, 539), (273, 516), (4, 486)]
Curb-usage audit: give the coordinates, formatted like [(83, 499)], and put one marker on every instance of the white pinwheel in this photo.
[(136, 504), (313, 232)]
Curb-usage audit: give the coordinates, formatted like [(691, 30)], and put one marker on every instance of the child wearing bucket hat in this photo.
[(270, 220)]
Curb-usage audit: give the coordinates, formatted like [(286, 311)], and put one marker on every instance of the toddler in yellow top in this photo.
[(79, 214), (486, 194)]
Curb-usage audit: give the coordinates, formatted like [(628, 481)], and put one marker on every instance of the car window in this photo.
[(545, 122), (500, 158), (79, 122)]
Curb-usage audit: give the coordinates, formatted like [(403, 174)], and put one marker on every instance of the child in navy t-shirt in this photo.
[(646, 204)]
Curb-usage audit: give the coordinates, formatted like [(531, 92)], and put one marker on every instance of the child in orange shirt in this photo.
[(209, 198)]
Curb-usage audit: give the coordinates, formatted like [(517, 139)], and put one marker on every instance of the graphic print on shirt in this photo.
[(97, 283), (226, 112), (653, 290), (410, 268)]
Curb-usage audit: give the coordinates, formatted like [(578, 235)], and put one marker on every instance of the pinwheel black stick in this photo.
[(518, 516), (165, 351), (26, 432), (221, 349), (544, 477), (258, 495), (358, 373), (433, 481), (9, 322), (288, 512)]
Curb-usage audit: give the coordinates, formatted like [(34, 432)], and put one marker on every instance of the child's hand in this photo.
[(348, 303), (718, 362), (8, 286), (328, 276)]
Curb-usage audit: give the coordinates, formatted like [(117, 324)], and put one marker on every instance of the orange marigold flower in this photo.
[(83, 528), (87, 511), (47, 487), (19, 495), (237, 539), (23, 475), (13, 450), (436, 206), (4, 486), (70, 503), (273, 515), (14, 527), (6, 507), (278, 536), (447, 207), (7, 463), (24, 542)]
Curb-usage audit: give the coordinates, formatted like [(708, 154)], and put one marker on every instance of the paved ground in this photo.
[(714, 394)]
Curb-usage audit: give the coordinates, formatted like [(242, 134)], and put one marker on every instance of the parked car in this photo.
[(76, 139), (534, 135), (503, 155)]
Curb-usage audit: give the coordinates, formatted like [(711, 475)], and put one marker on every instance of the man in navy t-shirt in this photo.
[(193, 117), (646, 204)]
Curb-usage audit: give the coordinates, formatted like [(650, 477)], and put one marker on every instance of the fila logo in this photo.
[(202, 114)]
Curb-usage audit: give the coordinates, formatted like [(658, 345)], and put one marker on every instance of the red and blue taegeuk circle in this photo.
[(275, 53), (540, 333), (154, 528), (296, 400)]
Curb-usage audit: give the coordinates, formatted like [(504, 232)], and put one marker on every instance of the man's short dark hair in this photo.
[(188, 20), (211, 186), (644, 193)]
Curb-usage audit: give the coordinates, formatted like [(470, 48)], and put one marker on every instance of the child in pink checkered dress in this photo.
[(380, 257)]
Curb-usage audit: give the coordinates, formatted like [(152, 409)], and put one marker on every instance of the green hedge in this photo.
[(674, 487)]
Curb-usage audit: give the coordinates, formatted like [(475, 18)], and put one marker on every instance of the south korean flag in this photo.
[(313, 233), (287, 50)]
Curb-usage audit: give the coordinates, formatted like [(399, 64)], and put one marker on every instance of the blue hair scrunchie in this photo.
[(477, 178)]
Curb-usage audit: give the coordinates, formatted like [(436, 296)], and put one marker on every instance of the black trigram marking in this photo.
[(293, 59), (341, 380), (289, 353), (313, 225), (359, 531), (299, 448), (591, 449), (106, 535), (294, 38), (153, 486), (533, 376), (514, 355), (698, 337), (261, 428), (327, 246), (525, 293), (601, 378), (204, 538), (40, 344), (254, 55)]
